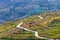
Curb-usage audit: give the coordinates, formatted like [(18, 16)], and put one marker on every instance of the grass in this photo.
[(46, 27)]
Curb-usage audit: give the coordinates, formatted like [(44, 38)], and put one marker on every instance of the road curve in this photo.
[(40, 17), (35, 32)]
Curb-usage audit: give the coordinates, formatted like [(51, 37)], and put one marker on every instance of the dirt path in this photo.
[(35, 32)]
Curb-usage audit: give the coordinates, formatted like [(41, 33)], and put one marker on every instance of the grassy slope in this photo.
[(8, 30)]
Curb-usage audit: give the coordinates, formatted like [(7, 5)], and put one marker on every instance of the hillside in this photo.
[(48, 27)]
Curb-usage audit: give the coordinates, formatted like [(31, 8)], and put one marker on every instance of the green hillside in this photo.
[(48, 27)]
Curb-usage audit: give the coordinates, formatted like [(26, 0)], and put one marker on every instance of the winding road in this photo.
[(35, 32)]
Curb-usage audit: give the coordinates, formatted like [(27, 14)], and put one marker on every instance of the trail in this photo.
[(40, 17), (35, 32)]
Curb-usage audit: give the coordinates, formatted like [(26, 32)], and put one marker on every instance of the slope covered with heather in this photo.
[(48, 27)]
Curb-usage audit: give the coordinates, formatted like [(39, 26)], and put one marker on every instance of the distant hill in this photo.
[(48, 27)]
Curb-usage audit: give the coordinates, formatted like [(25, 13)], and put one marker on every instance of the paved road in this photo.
[(35, 32), (40, 17)]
